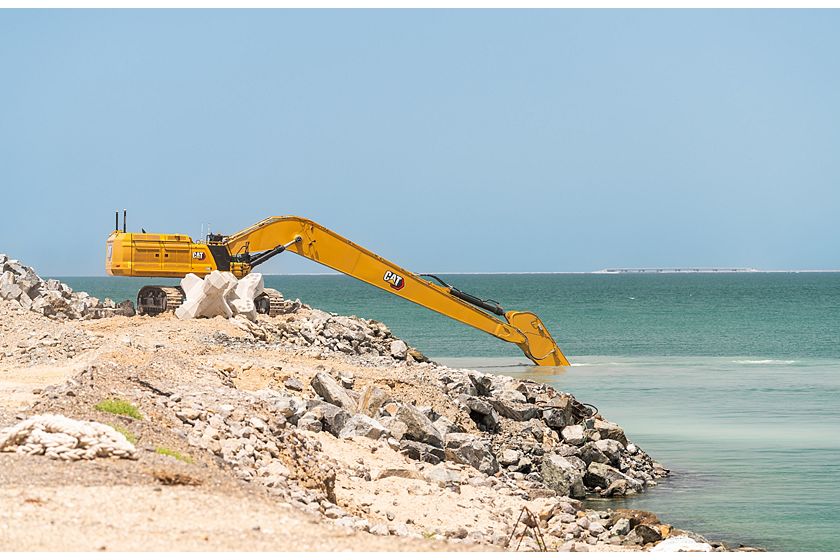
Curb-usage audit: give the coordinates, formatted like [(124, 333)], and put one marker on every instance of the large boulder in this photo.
[(573, 435), (558, 412), (609, 430), (482, 382), (372, 400), (399, 349), (611, 449), (468, 449), (564, 475), (331, 391), (422, 451), (364, 426), (644, 534), (418, 427), (518, 410), (482, 413), (332, 417), (599, 475), (591, 454)]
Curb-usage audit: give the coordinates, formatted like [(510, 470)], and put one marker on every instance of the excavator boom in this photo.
[(252, 246)]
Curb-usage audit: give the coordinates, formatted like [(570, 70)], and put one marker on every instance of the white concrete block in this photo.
[(219, 293), (250, 287)]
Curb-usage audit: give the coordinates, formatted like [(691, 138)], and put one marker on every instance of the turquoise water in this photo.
[(730, 380)]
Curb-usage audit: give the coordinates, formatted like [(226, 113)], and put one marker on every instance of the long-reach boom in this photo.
[(129, 254)]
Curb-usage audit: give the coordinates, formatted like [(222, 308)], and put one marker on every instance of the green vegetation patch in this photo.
[(121, 408), (172, 453), (132, 439)]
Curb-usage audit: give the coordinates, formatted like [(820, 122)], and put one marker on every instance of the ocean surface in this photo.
[(730, 380)]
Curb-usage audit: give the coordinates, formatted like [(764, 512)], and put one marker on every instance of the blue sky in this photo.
[(444, 140)]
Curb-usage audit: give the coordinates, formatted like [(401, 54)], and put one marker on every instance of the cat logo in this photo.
[(198, 255), (395, 280)]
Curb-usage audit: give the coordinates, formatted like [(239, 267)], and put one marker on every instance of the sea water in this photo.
[(732, 381)]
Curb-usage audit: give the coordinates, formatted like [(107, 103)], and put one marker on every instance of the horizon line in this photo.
[(606, 271)]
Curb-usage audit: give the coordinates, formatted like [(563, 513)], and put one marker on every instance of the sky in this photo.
[(445, 141)]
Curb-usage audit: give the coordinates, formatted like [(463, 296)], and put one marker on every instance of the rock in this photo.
[(399, 349), (681, 544), (515, 410), (619, 487), (558, 412), (364, 426), (601, 475), (483, 383), (329, 389), (417, 355), (399, 473), (373, 398), (611, 449), (442, 476), (621, 527), (380, 529), (573, 435), (644, 534), (421, 451), (188, 414), (596, 528), (482, 413), (563, 475), (418, 426), (608, 430), (510, 457), (592, 454), (565, 450), (446, 426), (468, 449), (396, 427), (634, 517), (293, 384), (332, 417)]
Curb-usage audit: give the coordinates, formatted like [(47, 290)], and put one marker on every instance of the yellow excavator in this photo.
[(176, 255)]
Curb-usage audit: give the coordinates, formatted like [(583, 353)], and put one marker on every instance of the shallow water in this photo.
[(730, 380), (753, 447)]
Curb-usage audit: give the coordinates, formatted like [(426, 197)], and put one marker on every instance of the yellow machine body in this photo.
[(164, 255), (161, 255)]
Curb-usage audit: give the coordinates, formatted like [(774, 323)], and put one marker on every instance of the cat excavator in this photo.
[(176, 255)]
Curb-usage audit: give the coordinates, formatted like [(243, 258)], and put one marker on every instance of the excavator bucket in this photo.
[(538, 345)]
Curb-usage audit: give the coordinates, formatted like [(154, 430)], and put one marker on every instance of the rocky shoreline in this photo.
[(339, 420)]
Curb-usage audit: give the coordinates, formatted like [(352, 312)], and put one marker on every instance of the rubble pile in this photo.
[(334, 416), (23, 287), (352, 336), (59, 437), (523, 437)]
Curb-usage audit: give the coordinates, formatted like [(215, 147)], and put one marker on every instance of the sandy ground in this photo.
[(49, 366)]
